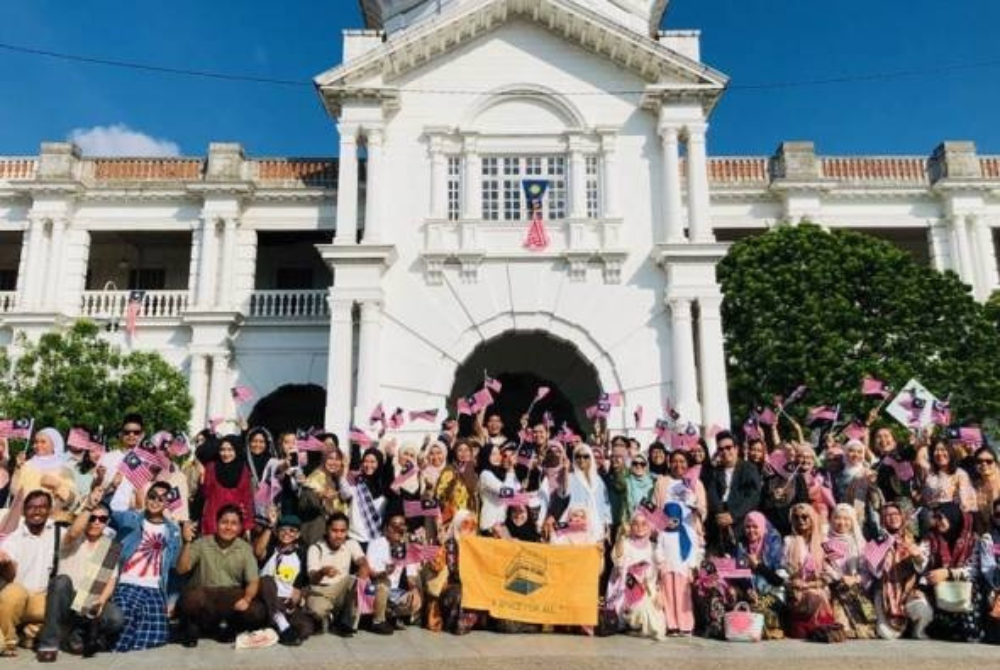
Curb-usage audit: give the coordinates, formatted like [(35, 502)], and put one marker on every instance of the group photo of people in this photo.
[(823, 530)]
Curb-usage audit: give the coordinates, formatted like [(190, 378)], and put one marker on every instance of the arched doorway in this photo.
[(290, 407), (522, 361)]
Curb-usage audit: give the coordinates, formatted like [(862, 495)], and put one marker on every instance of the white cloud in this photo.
[(120, 140)]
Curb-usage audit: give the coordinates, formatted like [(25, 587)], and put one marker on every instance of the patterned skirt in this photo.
[(145, 614)]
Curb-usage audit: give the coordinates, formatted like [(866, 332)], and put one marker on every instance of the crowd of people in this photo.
[(852, 538)]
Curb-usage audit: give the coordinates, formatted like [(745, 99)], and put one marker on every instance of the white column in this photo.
[(373, 186), (578, 182), (347, 188), (610, 176), (673, 208), (685, 394), (940, 246), (986, 257), (218, 394), (699, 216), (26, 267), (227, 271), (36, 280), (369, 373), (207, 256), (960, 240), (339, 365), (712, 358), (55, 262), (439, 182), (198, 385), (472, 204)]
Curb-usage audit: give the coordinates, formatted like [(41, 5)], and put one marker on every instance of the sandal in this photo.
[(46, 655)]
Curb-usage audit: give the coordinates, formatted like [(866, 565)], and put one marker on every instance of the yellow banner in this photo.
[(534, 583)]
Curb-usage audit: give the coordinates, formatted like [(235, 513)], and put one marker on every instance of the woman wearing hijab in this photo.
[(497, 484), (952, 551), (989, 552), (763, 552), (369, 498), (458, 486), (816, 486), (678, 550), (899, 601), (48, 470), (586, 489), (226, 481), (846, 573), (809, 599), (682, 484), (519, 525), (854, 485), (265, 466), (638, 485), (632, 591), (658, 459)]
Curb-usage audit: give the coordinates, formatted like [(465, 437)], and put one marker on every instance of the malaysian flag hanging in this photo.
[(534, 194), (132, 309)]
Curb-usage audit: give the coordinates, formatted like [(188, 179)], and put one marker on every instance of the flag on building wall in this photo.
[(132, 309), (534, 195), (534, 583)]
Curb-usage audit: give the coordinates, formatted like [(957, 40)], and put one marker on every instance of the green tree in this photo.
[(825, 309), (74, 377)]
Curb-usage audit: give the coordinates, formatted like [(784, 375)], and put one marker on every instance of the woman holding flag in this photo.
[(48, 469), (226, 481)]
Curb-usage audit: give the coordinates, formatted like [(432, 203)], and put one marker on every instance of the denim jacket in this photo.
[(128, 524)]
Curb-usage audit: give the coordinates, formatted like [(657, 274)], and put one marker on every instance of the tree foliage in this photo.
[(825, 309), (75, 378)]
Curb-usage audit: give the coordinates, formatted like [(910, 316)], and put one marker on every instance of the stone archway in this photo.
[(523, 361), (290, 407)]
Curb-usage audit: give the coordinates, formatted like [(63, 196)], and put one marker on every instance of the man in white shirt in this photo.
[(26, 559), (398, 593), (329, 563)]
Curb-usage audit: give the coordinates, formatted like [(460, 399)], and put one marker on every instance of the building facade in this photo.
[(398, 273)]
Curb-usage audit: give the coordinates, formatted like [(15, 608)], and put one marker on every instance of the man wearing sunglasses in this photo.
[(79, 615), (733, 491), (151, 543)]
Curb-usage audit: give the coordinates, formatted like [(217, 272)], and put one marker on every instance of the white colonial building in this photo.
[(398, 272)]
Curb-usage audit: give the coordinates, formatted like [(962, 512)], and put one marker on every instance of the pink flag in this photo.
[(213, 424), (548, 420), (672, 413), (463, 406), (875, 387), (377, 415), (751, 431), (84, 440), (972, 436), (777, 460), (903, 469), (481, 399), (421, 508), (875, 552), (421, 553), (366, 596), (635, 590), (795, 396), (637, 415), (241, 394), (730, 568), (132, 309), (16, 429), (493, 384), (941, 412), (566, 433), (141, 466), (822, 413), (358, 436), (308, 442), (657, 519), (835, 549), (661, 429), (692, 475), (510, 497), (855, 430), (767, 416), (179, 445), (541, 392), (406, 475), (615, 399), (173, 499), (424, 415), (266, 492), (397, 419)]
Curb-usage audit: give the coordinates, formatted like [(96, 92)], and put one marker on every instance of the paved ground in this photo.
[(420, 650)]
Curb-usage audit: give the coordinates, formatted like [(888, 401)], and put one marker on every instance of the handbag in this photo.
[(743, 625), (994, 612), (953, 596)]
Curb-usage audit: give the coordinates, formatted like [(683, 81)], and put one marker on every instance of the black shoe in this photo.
[(189, 635), (342, 630), (399, 624), (382, 628), (289, 637), (225, 635)]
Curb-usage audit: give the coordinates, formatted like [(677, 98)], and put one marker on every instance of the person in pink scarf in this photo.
[(809, 599)]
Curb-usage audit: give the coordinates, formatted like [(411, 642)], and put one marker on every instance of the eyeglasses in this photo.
[(640, 464), (155, 497), (728, 447), (131, 432), (581, 457), (800, 517), (985, 461), (99, 518)]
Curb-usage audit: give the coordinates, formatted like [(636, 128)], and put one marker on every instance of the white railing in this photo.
[(8, 301), (303, 304), (112, 304)]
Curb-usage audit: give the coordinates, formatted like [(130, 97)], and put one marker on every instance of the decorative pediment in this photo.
[(571, 20)]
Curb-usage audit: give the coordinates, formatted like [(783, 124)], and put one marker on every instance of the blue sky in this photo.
[(753, 41)]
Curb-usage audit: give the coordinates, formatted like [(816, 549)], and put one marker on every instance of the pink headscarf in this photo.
[(759, 519)]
